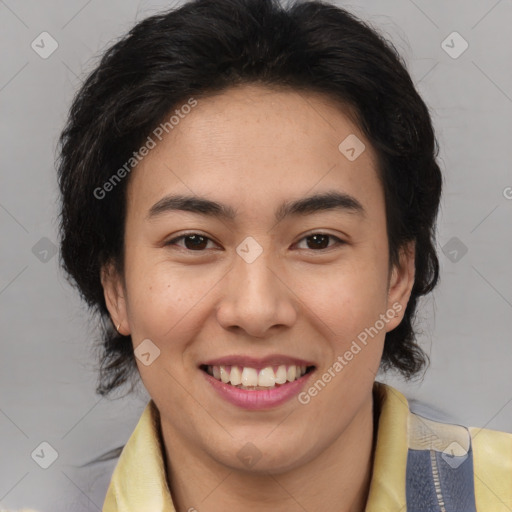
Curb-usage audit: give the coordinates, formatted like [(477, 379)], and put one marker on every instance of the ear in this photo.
[(114, 292), (400, 284)]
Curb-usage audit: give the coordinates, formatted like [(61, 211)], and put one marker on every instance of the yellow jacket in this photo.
[(419, 464)]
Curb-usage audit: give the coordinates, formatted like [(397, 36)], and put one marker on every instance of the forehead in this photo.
[(253, 144)]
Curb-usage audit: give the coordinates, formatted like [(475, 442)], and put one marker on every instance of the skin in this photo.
[(252, 147)]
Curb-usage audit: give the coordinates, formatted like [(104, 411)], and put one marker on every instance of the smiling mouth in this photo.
[(243, 377)]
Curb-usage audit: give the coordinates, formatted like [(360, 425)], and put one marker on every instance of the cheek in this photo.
[(155, 297), (165, 300), (161, 308), (349, 297)]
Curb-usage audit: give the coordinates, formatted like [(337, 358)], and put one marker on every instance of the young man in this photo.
[(250, 194)]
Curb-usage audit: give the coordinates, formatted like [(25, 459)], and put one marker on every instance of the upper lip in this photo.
[(257, 363)]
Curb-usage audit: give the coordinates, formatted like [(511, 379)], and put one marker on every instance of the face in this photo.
[(281, 283)]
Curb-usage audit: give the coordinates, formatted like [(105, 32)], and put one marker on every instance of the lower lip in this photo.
[(256, 400)]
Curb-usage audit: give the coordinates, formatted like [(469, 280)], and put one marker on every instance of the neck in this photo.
[(336, 480)]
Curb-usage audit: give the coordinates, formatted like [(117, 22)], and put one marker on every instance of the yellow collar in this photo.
[(139, 479)]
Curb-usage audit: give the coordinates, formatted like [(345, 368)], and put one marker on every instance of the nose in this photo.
[(257, 299)]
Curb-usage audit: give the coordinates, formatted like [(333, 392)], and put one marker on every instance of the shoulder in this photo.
[(460, 468), (492, 461)]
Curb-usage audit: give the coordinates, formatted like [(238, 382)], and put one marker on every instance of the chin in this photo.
[(264, 456)]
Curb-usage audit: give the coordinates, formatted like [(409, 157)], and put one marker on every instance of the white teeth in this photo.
[(224, 375), (267, 377), (281, 374), (235, 376), (292, 373), (247, 377)]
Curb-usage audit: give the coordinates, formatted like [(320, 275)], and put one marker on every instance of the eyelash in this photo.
[(337, 240)]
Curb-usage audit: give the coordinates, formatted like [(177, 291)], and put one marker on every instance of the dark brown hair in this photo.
[(207, 46)]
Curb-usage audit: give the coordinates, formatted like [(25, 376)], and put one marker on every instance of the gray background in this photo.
[(47, 373)]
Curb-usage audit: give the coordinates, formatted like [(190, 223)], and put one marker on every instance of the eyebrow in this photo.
[(331, 200)]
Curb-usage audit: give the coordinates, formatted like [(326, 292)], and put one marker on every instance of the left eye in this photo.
[(198, 242), (321, 240)]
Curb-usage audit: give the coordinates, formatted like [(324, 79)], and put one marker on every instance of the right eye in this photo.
[(192, 241)]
